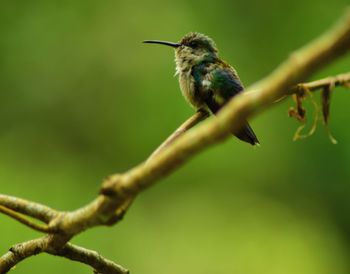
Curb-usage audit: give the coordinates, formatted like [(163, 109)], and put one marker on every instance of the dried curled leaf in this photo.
[(301, 115), (298, 112), (298, 135), (316, 111), (330, 136), (326, 100)]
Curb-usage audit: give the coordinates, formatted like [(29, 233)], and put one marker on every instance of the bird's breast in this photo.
[(188, 89)]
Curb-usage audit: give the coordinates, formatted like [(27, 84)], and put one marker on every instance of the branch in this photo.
[(20, 252), (90, 257), (119, 190)]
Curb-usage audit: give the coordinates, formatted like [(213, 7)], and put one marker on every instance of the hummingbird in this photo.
[(206, 81)]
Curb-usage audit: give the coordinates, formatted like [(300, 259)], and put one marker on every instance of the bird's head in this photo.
[(196, 46), (193, 48)]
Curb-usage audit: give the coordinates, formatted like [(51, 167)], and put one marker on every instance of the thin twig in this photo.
[(32, 209), (22, 219), (100, 264), (334, 81), (196, 118)]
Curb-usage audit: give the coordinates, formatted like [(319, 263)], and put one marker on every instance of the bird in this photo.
[(206, 81)]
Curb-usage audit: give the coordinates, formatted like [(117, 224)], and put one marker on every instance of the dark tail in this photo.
[(247, 135)]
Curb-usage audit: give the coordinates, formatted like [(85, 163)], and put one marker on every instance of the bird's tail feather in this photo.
[(246, 134)]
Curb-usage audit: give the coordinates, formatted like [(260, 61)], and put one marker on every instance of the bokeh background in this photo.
[(82, 98)]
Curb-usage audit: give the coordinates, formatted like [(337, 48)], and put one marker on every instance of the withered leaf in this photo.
[(297, 112), (326, 100)]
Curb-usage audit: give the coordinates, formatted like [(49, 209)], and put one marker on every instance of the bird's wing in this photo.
[(224, 82), (215, 84)]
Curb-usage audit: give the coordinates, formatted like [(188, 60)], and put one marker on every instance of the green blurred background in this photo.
[(82, 98)]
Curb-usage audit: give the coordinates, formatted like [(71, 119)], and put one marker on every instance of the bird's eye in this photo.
[(193, 44)]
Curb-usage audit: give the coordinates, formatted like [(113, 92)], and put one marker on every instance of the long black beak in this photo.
[(170, 44)]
